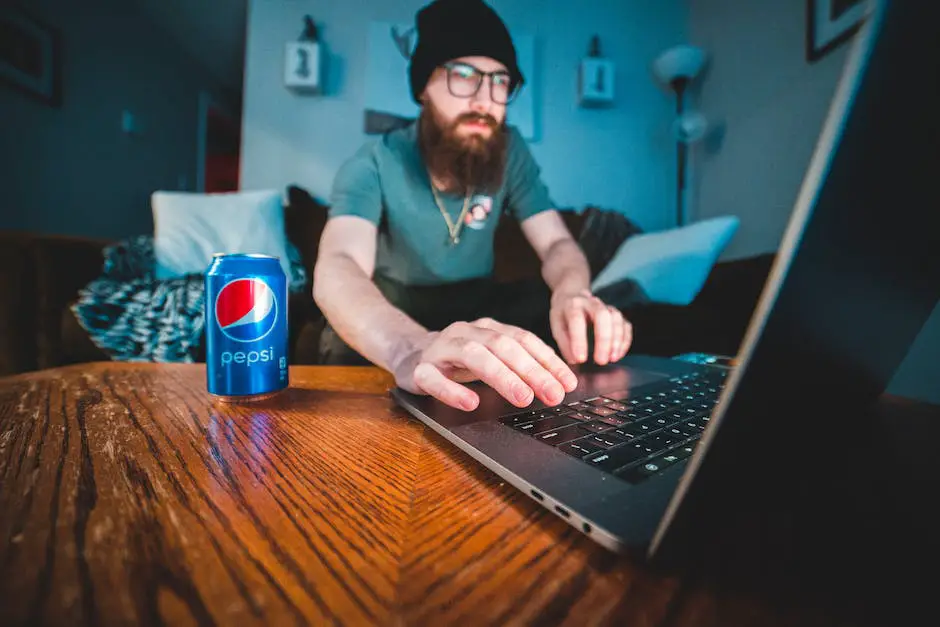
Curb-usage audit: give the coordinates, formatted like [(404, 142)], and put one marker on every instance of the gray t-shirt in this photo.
[(386, 182)]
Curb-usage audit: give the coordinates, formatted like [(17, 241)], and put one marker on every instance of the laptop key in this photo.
[(631, 431), (521, 417), (645, 446), (679, 432), (683, 451), (659, 442), (556, 422), (548, 414), (647, 425), (560, 436), (596, 427), (614, 458), (602, 411), (644, 470), (663, 420), (579, 448), (607, 440), (613, 421), (582, 416)]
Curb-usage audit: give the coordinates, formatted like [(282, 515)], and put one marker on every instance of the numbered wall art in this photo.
[(30, 55)]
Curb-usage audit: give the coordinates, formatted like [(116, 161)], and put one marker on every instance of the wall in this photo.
[(770, 104), (71, 170), (619, 158)]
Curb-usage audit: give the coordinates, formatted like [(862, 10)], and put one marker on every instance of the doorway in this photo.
[(219, 147)]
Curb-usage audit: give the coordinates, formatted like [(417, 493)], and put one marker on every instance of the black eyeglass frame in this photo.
[(514, 85)]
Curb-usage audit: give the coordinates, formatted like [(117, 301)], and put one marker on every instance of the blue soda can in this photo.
[(246, 327)]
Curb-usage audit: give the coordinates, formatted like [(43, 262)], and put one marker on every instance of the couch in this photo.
[(40, 276)]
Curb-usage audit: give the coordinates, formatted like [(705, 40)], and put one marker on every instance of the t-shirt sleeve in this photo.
[(356, 190), (527, 194)]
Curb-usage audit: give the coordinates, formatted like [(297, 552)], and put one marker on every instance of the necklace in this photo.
[(452, 228)]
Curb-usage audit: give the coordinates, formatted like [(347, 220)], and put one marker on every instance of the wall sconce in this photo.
[(596, 78), (302, 61)]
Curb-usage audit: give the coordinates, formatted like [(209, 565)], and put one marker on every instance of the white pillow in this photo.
[(190, 227), (671, 265)]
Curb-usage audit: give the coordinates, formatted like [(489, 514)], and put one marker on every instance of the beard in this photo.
[(463, 162)]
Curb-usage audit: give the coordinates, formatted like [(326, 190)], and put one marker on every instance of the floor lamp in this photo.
[(676, 68)]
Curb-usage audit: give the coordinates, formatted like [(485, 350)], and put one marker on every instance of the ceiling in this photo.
[(211, 31)]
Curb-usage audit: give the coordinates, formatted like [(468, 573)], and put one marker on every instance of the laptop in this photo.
[(856, 276)]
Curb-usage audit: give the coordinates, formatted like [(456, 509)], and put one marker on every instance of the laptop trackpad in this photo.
[(613, 380)]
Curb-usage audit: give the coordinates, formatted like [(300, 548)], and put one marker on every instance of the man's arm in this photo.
[(345, 293), (511, 360), (567, 273), (564, 266)]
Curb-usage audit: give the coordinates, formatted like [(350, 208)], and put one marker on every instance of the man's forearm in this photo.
[(361, 315), (565, 268)]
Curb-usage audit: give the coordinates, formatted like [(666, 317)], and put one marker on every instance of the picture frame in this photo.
[(30, 55), (830, 23)]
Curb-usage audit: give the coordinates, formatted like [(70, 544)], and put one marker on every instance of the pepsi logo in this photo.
[(246, 309)]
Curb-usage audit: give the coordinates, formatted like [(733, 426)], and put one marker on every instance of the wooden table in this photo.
[(127, 497)]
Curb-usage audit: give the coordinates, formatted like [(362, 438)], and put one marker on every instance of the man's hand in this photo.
[(569, 317), (514, 362)]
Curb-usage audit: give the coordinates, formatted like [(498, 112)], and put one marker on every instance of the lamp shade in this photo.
[(679, 62)]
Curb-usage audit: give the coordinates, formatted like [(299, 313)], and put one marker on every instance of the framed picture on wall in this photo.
[(30, 55), (829, 23)]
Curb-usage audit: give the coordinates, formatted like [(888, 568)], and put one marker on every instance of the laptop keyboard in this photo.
[(632, 436)]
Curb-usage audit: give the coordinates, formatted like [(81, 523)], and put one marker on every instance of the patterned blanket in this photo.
[(133, 316)]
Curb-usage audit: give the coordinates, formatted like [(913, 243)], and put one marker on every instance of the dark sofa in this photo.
[(40, 276)]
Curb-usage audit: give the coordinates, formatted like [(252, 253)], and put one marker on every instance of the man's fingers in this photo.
[(576, 323), (617, 332), (603, 331), (493, 371), (627, 339), (533, 360), (560, 333), (428, 378)]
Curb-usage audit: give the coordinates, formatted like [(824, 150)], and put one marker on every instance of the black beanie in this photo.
[(449, 29)]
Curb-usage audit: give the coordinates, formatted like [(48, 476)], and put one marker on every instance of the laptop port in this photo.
[(537, 495), (561, 510), (586, 527)]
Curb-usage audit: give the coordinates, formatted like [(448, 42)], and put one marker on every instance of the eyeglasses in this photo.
[(464, 81)]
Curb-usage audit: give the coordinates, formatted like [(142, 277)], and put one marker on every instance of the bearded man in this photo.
[(404, 269)]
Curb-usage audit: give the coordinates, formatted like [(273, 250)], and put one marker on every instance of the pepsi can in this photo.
[(246, 327)]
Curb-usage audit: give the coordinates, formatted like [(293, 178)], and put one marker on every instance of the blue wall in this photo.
[(771, 104), (71, 170), (620, 158)]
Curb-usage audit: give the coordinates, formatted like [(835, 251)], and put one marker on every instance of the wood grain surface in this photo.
[(128, 497)]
